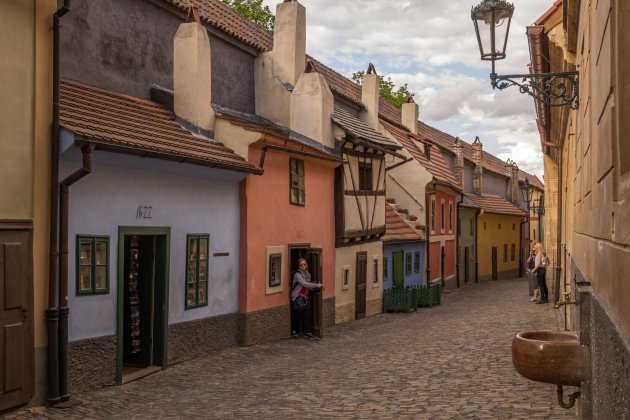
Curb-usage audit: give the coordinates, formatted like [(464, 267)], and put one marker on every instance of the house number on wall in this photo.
[(144, 212)]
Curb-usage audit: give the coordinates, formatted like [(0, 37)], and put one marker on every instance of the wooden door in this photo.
[(314, 260), (494, 263), (442, 263), (360, 288), (16, 318), (398, 268), (466, 264)]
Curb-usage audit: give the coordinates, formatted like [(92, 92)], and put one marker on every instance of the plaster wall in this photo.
[(312, 106), (364, 211), (489, 236), (495, 184), (467, 223), (269, 220), (406, 184), (442, 237), (345, 295), (127, 45), (416, 276), (17, 78), (468, 176), (187, 199)]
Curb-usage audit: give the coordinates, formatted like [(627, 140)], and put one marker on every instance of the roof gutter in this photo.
[(267, 146)]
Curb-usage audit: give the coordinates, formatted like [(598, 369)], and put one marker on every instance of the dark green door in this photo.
[(398, 268)]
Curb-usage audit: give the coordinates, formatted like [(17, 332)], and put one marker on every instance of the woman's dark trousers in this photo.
[(302, 317), (544, 292)]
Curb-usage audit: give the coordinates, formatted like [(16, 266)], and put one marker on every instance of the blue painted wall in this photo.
[(416, 277)]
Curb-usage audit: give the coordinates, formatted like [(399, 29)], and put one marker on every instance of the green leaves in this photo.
[(254, 11), (387, 90)]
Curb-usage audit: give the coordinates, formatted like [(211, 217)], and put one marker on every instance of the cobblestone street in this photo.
[(450, 361)]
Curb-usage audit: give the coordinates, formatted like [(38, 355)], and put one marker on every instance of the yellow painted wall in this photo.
[(489, 235), (17, 32)]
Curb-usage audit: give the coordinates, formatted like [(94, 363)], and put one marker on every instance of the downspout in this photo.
[(556, 292), (52, 312), (427, 207), (477, 214), (458, 228), (524, 247), (64, 310)]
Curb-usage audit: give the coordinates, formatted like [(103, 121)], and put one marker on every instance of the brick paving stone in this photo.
[(451, 361)]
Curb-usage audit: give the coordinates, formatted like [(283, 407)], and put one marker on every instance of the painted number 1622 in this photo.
[(144, 212)]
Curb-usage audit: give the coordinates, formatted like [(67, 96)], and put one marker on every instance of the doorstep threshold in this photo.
[(141, 373)]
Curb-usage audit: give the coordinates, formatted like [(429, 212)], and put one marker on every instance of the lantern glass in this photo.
[(492, 20)]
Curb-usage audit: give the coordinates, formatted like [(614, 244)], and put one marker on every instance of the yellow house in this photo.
[(587, 178), (25, 118)]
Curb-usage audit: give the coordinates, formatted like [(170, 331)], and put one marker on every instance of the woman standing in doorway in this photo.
[(540, 271), (300, 301)]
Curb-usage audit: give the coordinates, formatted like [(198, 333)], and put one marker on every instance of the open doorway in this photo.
[(313, 257), (142, 304)]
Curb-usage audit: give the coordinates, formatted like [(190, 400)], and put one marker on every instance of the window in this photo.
[(385, 267), (297, 181), (375, 271), (484, 225), (442, 216), (365, 176), (346, 277), (408, 267), (416, 262), (513, 253), (513, 226), (450, 217), (92, 275), (499, 226), (432, 214), (472, 226), (504, 252), (196, 271)]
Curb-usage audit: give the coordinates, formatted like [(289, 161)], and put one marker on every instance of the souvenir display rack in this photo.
[(134, 301)]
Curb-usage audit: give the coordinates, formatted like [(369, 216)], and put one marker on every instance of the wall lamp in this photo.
[(492, 24)]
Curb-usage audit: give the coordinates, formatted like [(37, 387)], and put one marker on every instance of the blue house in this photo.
[(403, 249)]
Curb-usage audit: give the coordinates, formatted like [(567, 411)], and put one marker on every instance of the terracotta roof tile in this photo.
[(120, 122), (229, 21), (495, 204), (532, 179), (397, 229), (437, 166), (361, 130)]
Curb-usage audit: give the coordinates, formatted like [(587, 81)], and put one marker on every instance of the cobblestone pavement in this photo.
[(450, 361)]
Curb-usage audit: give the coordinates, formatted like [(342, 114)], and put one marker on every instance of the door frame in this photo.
[(163, 343), (495, 263), (363, 314), (402, 267)]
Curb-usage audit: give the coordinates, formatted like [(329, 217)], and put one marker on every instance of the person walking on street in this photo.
[(540, 268), (301, 302)]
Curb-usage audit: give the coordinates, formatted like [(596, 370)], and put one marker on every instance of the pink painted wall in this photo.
[(446, 235), (267, 219)]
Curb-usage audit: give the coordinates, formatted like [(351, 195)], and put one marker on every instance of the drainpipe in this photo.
[(523, 246), (64, 310), (477, 214), (458, 228), (556, 292), (427, 206), (52, 312)]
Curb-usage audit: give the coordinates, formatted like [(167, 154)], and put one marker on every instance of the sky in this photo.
[(431, 46)]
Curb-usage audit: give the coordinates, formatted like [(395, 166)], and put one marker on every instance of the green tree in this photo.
[(387, 89), (254, 11)]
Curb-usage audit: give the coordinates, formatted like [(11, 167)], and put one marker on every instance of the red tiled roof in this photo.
[(397, 229), (357, 128), (532, 179), (229, 21), (437, 166), (496, 204), (125, 123)]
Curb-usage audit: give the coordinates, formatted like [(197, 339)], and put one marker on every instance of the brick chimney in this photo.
[(192, 74), (410, 112), (512, 173), (370, 97), (289, 41), (458, 170), (478, 171), (312, 106)]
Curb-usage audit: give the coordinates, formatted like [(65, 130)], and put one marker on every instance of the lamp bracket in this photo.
[(553, 89)]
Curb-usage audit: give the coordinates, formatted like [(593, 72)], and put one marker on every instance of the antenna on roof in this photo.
[(371, 69)]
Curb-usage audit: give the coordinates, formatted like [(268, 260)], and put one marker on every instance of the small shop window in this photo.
[(346, 277), (365, 176), (432, 214), (92, 275), (297, 193), (442, 216), (513, 252), (408, 267), (450, 217), (375, 271), (504, 252), (197, 270), (513, 226), (416, 262), (385, 261)]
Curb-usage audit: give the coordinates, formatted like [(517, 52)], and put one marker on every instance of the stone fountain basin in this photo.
[(554, 357)]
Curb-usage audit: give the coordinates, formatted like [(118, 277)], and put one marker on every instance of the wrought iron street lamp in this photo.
[(527, 190), (492, 20)]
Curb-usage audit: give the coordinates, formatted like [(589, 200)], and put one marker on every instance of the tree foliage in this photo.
[(387, 89), (254, 11)]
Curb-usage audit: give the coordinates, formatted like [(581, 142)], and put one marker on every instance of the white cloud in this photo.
[(431, 46)]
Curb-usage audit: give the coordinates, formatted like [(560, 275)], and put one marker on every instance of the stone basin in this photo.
[(554, 357)]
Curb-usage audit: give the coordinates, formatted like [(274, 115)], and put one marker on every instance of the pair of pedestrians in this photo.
[(536, 268)]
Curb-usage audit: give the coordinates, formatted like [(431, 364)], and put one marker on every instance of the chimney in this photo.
[(478, 171), (458, 149), (410, 115), (512, 172), (312, 98), (289, 41), (192, 74), (370, 96)]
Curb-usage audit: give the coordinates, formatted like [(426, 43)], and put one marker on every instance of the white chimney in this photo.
[(192, 75), (410, 112), (370, 97), (289, 41)]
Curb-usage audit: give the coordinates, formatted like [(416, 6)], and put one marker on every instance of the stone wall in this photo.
[(92, 363), (264, 325), (189, 339)]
